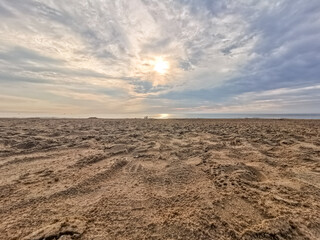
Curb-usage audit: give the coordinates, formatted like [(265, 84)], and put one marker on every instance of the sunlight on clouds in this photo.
[(131, 42)]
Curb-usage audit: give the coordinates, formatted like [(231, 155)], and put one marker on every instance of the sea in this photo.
[(242, 116)]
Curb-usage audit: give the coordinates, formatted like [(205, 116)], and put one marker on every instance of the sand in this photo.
[(159, 179)]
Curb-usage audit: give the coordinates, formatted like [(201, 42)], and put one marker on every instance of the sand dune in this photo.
[(159, 179)]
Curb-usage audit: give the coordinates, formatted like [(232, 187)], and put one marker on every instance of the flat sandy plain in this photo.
[(159, 179)]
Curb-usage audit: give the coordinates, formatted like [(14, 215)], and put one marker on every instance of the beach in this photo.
[(159, 179)]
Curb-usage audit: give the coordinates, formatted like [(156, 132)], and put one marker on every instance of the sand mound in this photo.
[(61, 230)]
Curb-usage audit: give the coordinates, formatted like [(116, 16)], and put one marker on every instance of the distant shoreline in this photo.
[(151, 119), (172, 116)]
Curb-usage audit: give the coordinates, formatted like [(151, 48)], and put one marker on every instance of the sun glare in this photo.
[(161, 66), (164, 115)]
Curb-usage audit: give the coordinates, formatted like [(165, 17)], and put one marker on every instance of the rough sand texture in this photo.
[(159, 179)]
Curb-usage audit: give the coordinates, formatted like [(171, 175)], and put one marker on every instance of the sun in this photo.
[(161, 66)]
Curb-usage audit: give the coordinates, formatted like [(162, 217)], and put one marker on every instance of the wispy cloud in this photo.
[(97, 56)]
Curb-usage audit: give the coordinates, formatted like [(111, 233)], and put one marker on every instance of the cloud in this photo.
[(223, 55)]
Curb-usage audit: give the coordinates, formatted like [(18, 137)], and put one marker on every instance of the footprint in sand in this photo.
[(133, 168)]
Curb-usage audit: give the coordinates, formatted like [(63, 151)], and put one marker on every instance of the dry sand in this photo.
[(159, 179)]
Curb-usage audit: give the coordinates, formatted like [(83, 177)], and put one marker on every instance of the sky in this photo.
[(119, 58)]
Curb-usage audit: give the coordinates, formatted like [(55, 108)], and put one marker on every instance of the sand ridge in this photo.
[(159, 179)]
